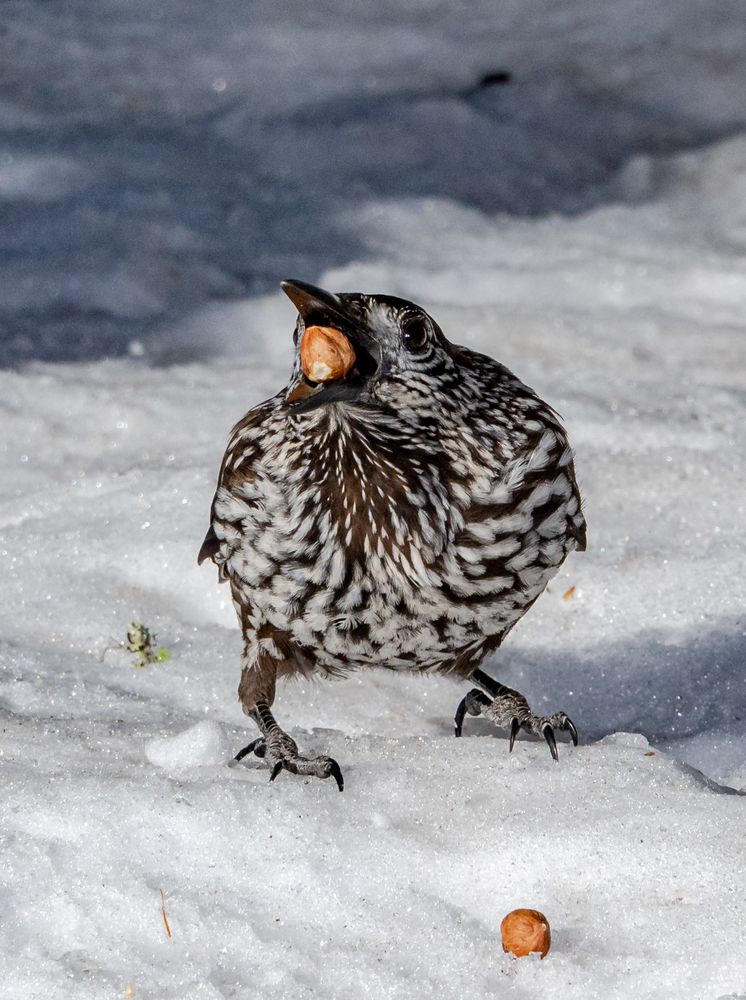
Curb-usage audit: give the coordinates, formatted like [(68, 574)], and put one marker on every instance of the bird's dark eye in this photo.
[(415, 333)]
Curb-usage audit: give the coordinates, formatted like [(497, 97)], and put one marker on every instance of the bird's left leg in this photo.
[(256, 693), (281, 750), (510, 710)]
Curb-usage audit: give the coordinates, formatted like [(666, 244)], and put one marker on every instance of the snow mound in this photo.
[(201, 745)]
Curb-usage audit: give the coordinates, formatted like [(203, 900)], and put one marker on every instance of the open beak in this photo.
[(314, 303), (318, 307)]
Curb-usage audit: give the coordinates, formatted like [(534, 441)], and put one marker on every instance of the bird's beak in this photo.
[(317, 307), (314, 303)]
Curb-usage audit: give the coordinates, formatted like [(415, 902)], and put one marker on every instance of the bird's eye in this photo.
[(415, 333)]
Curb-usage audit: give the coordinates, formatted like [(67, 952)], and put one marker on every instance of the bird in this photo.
[(403, 516)]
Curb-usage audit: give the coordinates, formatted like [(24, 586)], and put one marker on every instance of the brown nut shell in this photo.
[(325, 354), (525, 931)]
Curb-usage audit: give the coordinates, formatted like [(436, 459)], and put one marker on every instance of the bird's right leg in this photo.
[(256, 692), (509, 709)]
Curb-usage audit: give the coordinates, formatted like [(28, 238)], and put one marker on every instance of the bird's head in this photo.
[(398, 353)]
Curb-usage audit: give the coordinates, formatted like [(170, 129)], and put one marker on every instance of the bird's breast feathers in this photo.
[(392, 543)]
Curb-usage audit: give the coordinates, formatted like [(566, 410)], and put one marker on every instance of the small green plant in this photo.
[(142, 642)]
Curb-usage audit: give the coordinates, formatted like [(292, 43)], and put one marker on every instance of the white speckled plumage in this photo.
[(407, 527)]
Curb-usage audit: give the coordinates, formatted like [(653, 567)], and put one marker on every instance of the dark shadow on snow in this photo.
[(225, 204), (665, 687)]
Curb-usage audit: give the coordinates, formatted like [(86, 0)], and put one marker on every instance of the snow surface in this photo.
[(161, 168)]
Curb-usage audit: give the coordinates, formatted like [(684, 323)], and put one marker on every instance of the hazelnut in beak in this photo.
[(326, 354)]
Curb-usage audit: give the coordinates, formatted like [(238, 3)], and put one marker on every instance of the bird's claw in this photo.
[(257, 747), (474, 703), (458, 720), (560, 720), (319, 767), (336, 773), (510, 710), (281, 750), (279, 764), (548, 734), (570, 727)]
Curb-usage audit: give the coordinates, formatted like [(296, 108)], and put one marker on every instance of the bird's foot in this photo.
[(511, 711), (281, 751)]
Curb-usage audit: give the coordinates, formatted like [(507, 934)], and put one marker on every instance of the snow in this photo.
[(201, 745), (161, 170)]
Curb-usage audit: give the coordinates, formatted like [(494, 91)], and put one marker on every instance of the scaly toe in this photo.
[(257, 747), (510, 710), (316, 767), (563, 721)]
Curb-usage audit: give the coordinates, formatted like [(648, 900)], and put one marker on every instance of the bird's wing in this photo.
[(534, 490), (526, 481), (239, 467)]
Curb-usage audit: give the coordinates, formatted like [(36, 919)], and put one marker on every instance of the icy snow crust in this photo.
[(181, 164)]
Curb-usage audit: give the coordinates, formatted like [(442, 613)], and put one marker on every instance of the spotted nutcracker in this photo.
[(403, 516)]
